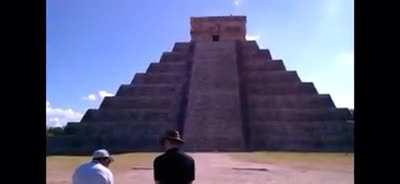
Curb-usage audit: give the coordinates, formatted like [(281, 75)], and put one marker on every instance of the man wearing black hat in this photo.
[(174, 166)]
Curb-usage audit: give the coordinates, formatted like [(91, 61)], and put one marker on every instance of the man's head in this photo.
[(171, 139), (103, 157)]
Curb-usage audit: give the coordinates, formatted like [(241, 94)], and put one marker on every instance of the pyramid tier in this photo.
[(280, 88), (273, 65), (128, 136), (159, 78), (271, 77), (174, 57), (302, 135), (133, 115), (290, 101), (182, 47), (149, 90), (139, 102), (265, 114), (168, 68)]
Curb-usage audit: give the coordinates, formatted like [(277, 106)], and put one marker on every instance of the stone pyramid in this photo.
[(223, 93)]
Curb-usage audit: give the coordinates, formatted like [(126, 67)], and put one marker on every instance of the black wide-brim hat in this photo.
[(172, 135)]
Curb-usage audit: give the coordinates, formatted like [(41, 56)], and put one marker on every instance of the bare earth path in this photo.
[(223, 168)]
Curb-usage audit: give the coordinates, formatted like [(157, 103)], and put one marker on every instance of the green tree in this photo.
[(55, 131)]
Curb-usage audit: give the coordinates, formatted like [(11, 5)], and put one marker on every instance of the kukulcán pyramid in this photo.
[(223, 93)]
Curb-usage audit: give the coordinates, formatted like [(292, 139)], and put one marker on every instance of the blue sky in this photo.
[(94, 46)]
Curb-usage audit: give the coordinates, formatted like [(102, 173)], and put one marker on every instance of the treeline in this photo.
[(60, 131)]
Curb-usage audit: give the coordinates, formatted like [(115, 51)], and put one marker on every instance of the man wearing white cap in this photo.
[(95, 171)]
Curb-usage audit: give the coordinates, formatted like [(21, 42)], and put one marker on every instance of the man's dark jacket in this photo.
[(174, 167)]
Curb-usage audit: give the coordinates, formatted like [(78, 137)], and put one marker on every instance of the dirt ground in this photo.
[(231, 168)]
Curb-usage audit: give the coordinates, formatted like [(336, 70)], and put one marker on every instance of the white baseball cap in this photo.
[(101, 153)]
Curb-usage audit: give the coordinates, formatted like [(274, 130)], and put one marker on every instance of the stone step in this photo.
[(168, 68), (290, 101), (271, 77), (174, 57), (159, 78), (183, 47), (263, 114), (94, 115), (146, 102), (281, 88), (149, 90), (273, 65)]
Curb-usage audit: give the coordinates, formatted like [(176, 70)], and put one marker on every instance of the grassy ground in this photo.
[(298, 160)]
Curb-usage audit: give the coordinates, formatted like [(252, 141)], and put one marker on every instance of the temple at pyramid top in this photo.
[(218, 28)]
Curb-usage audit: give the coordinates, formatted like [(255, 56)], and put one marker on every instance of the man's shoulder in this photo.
[(84, 166), (101, 167), (172, 155), (185, 155), (102, 170), (159, 158)]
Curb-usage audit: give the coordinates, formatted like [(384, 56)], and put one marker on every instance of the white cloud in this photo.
[(103, 94), (253, 37), (256, 38), (60, 116), (90, 97), (346, 58), (237, 2), (99, 96)]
